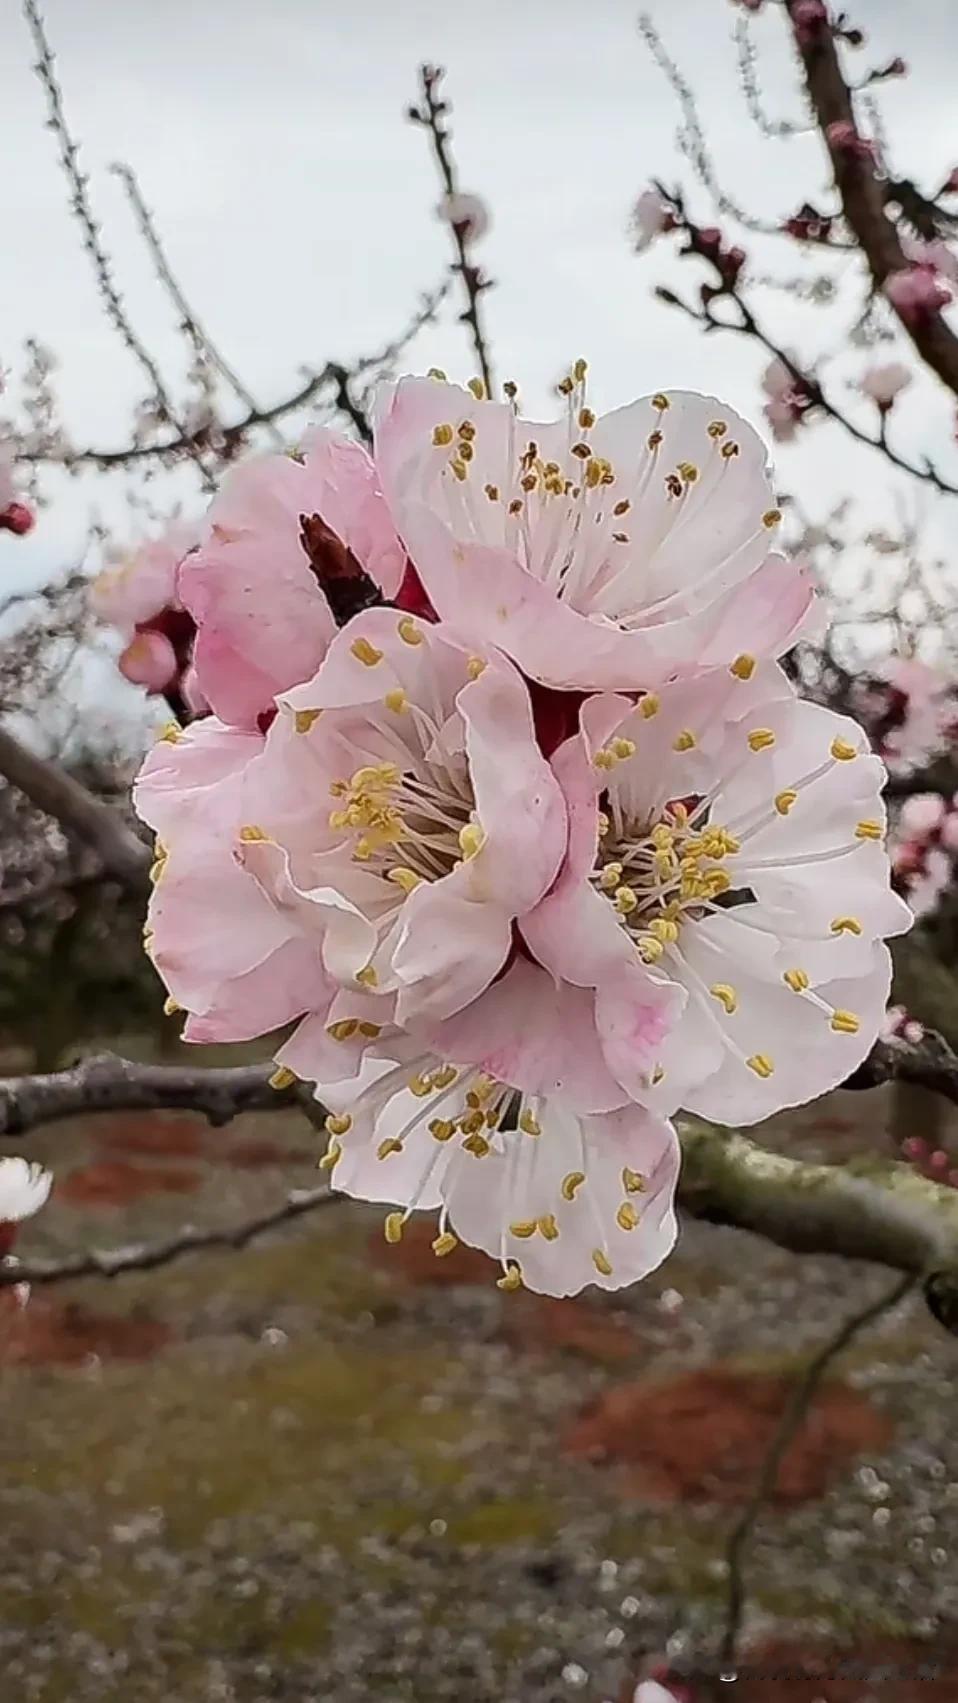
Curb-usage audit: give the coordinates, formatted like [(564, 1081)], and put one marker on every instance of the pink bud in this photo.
[(149, 660), (917, 293), (914, 1148), (843, 138), (939, 1160), (17, 518)]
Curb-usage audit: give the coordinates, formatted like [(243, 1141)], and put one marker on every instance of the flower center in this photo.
[(408, 825), (665, 873)]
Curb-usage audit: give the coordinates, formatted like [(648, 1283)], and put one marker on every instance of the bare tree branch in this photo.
[(862, 193), (110, 1084), (122, 855), (149, 1255), (801, 1399), (433, 117)]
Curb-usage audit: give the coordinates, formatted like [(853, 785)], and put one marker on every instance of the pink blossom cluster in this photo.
[(924, 848), (910, 711), (136, 592), (508, 818), (788, 400)]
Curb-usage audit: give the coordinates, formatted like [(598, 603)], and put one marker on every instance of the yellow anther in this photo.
[(689, 471), (303, 720), (344, 1030), (685, 741), (869, 830), (478, 1095), (603, 824), (662, 928), (408, 631), (610, 877), (604, 759), (547, 1227), (510, 1280), (467, 430), (389, 1146), (442, 435), (370, 1029), (339, 1125), (492, 492), (579, 370), (845, 925), (459, 467), (510, 390), (170, 1008), (445, 1244), (622, 507), (771, 518), (282, 1077), (477, 1145), (633, 1181), (761, 1064), (785, 800), (478, 389), (660, 402), (392, 1227), (366, 653), (594, 471), (842, 751), (529, 481), (475, 666), (627, 1218), (438, 374), (571, 1183), (653, 440), (396, 701), (524, 1229), (471, 839), (797, 980), (715, 881), (658, 1075), (586, 418), (170, 733), (649, 949), (717, 429), (729, 451), (420, 1086), (760, 739), (405, 878), (466, 451), (845, 1023), (445, 1077), (726, 995), (529, 1123), (623, 748), (743, 667), (472, 1122), (626, 900), (602, 1262), (367, 977), (331, 1157), (252, 834), (442, 1128), (565, 386)]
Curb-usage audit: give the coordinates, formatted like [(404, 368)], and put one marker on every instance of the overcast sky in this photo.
[(296, 204)]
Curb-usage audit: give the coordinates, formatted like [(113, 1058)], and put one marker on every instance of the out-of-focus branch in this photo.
[(433, 116), (230, 439), (195, 330), (880, 1211), (148, 1255), (122, 855), (862, 193), (92, 242)]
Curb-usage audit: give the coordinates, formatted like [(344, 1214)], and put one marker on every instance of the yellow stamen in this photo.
[(869, 830), (478, 389), (408, 631), (684, 742), (610, 877), (529, 1123), (623, 748), (405, 878), (475, 666), (524, 1229), (442, 1128), (845, 1023), (548, 1227), (771, 518), (170, 733), (331, 1157), (442, 435), (370, 1029), (842, 751), (344, 1030), (660, 402), (420, 1086), (365, 652), (760, 739), (626, 901), (785, 800), (717, 429), (392, 1227), (396, 701), (601, 1262), (511, 1279), (632, 1181), (477, 1145), (797, 980), (339, 1125), (303, 720), (845, 925), (282, 1077), (445, 1244), (390, 1145), (627, 1218), (649, 949), (726, 996), (571, 1183), (604, 759), (471, 839), (761, 1064), (367, 978), (664, 929), (251, 835), (743, 667), (170, 1008)]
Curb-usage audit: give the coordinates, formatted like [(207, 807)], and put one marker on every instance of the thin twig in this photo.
[(149, 1255), (192, 325), (121, 854), (434, 118), (795, 1412), (92, 241)]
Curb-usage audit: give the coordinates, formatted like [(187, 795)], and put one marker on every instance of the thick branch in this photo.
[(148, 1255), (879, 1211), (862, 194), (122, 855)]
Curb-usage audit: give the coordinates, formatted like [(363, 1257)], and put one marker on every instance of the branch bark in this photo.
[(862, 195), (122, 855), (873, 1210)]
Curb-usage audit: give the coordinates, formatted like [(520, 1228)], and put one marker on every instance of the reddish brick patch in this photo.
[(257, 1155), (414, 1260), (886, 1670), (156, 1133), (114, 1182), (536, 1323), (702, 1436), (56, 1333)]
